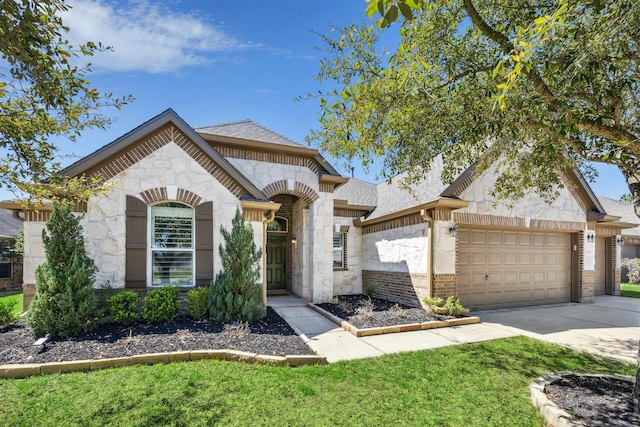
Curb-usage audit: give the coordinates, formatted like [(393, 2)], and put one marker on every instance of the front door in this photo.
[(276, 262)]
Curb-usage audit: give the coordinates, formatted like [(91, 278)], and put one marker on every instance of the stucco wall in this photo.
[(398, 250)]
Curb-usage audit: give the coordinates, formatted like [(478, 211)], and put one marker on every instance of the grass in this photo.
[(482, 384), (629, 290), (13, 298)]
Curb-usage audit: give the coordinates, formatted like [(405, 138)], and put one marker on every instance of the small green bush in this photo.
[(370, 291), (453, 306), (197, 302), (633, 269), (161, 305), (6, 313), (433, 304), (124, 307)]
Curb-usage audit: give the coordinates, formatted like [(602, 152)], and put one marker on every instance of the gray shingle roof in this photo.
[(357, 192), (8, 224), (247, 129), (625, 211), (393, 197)]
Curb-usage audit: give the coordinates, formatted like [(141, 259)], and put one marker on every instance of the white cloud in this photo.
[(146, 37)]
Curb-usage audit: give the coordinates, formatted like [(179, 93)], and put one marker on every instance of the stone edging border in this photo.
[(552, 413), (397, 328), (31, 369)]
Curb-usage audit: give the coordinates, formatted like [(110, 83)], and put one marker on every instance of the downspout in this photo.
[(428, 219)]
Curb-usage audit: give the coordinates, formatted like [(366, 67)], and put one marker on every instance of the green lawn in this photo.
[(484, 384), (13, 297), (629, 290)]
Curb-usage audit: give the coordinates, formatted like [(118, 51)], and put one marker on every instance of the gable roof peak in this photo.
[(249, 130)]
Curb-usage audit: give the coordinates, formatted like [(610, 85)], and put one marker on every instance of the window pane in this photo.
[(337, 240), (172, 226), (337, 258), (5, 270), (172, 268)]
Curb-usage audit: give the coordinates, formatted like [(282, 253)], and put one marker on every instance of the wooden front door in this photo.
[(276, 262)]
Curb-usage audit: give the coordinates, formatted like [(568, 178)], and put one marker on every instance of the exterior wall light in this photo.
[(294, 241), (620, 241), (591, 237), (453, 230)]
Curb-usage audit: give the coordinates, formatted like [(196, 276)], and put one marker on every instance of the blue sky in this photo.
[(218, 61)]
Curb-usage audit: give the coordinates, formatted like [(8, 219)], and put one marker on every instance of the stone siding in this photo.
[(348, 280), (587, 289), (445, 285)]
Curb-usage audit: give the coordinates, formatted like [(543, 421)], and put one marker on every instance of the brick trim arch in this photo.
[(160, 194), (299, 189)]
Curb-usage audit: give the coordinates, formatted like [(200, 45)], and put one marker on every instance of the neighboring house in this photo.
[(630, 236), (172, 187), (10, 267)]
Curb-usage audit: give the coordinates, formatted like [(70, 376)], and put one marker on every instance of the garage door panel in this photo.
[(526, 268)]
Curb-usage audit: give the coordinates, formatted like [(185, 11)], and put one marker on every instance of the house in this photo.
[(10, 267), (171, 188), (630, 236)]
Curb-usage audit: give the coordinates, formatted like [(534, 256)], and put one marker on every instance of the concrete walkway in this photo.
[(610, 326), (329, 340)]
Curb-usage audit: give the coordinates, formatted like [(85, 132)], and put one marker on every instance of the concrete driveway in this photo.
[(610, 326)]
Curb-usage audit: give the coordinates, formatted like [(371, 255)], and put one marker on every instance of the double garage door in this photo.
[(498, 268)]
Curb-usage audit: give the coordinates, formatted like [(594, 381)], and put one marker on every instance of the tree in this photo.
[(64, 303), (627, 198), (235, 294), (42, 95), (528, 88)]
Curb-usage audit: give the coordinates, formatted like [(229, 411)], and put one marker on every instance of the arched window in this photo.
[(278, 224), (172, 244)]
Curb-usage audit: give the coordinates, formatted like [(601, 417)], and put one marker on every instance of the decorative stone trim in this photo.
[(573, 189), (253, 214), (160, 194), (261, 156), (440, 214), (607, 232), (163, 136), (154, 195), (631, 241), (404, 221), (326, 188), (188, 197), (464, 185), (32, 369), (299, 189), (40, 216), (434, 324), (349, 213), (557, 225), (344, 228)]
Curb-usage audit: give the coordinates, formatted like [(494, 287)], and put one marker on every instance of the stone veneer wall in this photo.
[(399, 287), (348, 280)]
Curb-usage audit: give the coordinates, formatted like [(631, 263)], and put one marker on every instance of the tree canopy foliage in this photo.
[(43, 94), (529, 87)]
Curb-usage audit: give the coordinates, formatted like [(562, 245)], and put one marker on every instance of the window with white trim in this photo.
[(338, 251), (6, 262), (172, 244)]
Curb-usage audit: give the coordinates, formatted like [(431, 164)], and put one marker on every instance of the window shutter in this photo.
[(204, 244), (136, 244)]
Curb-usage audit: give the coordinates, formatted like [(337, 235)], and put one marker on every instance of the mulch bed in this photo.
[(384, 313), (595, 400), (269, 336)]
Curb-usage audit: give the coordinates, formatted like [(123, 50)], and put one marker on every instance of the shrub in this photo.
[(197, 302), (124, 307), (6, 312), (64, 303), (161, 305), (433, 304), (633, 269), (453, 306), (370, 291), (234, 294)]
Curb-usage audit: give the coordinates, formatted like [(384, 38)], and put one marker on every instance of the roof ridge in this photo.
[(235, 122), (249, 121)]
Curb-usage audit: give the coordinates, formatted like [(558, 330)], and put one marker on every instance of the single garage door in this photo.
[(498, 268)]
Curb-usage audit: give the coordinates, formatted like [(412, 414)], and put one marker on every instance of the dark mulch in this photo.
[(384, 313), (595, 400), (269, 336)]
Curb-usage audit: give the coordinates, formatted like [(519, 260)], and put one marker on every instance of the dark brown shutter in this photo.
[(136, 245), (204, 244)]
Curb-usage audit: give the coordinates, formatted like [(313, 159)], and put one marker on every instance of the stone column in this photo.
[(617, 267), (321, 241), (444, 253)]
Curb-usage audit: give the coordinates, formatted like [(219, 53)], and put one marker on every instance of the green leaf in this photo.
[(392, 14), (406, 11)]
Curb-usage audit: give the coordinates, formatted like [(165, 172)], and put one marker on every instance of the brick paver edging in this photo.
[(552, 413), (396, 328), (30, 369)]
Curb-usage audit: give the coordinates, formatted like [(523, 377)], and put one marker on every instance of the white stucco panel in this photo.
[(478, 194), (399, 250)]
